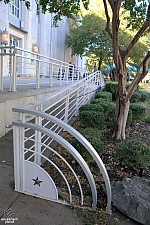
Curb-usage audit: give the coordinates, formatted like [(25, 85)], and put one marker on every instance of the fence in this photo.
[(37, 135), (18, 64)]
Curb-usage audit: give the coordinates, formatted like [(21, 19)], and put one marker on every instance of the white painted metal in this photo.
[(49, 117), (70, 149), (27, 64), (68, 165), (86, 144)]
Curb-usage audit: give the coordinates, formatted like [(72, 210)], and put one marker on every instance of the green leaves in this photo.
[(90, 38), (137, 12)]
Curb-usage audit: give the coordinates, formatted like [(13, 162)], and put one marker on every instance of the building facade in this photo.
[(26, 29)]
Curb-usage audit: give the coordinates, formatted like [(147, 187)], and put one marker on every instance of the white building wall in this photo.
[(39, 29), (3, 16)]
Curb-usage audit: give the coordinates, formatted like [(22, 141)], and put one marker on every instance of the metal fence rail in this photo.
[(37, 132), (34, 70)]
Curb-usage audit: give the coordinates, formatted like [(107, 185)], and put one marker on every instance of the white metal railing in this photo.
[(39, 127), (39, 69)]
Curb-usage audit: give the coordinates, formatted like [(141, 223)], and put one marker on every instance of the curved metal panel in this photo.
[(84, 142), (71, 149), (37, 181)]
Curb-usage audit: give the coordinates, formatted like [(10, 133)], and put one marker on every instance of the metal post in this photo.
[(67, 73), (1, 71), (84, 92), (38, 74), (14, 72), (16, 147), (77, 100), (51, 75), (67, 106), (10, 68), (37, 157), (72, 73)]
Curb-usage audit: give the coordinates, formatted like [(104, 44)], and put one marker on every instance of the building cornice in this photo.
[(23, 31)]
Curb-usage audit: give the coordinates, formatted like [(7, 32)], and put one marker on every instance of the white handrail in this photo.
[(83, 141), (27, 64)]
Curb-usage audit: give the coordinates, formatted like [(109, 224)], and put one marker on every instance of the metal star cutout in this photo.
[(37, 181)]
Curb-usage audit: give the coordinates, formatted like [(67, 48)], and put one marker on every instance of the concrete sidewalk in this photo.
[(25, 209)]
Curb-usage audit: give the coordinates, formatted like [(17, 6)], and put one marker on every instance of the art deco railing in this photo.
[(37, 133)]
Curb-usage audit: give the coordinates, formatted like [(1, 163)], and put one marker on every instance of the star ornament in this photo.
[(37, 181)]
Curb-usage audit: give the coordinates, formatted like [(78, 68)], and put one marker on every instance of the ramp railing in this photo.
[(20, 67), (37, 134)]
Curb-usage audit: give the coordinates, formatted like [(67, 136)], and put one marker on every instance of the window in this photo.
[(14, 8), (13, 41)]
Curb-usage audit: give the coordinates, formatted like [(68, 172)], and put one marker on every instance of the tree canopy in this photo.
[(90, 39)]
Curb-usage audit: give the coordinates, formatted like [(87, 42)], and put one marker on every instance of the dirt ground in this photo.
[(116, 171)]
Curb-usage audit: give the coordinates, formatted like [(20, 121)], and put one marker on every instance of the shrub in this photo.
[(89, 107), (136, 97), (112, 88), (109, 115), (91, 132), (109, 111), (145, 96), (94, 119), (105, 95), (129, 119), (133, 153), (147, 118), (94, 137), (138, 112), (103, 103)]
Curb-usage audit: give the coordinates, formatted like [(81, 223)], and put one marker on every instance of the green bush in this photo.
[(138, 112), (94, 137), (136, 97), (105, 95), (129, 119), (145, 96), (103, 103), (147, 118), (133, 153), (112, 88), (94, 119), (109, 115), (109, 111), (94, 107), (99, 101), (91, 132)]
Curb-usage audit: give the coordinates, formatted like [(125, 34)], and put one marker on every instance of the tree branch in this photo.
[(139, 76), (137, 37), (108, 19)]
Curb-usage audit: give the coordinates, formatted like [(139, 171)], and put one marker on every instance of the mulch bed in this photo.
[(116, 171)]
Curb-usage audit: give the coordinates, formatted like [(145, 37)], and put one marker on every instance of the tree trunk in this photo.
[(120, 58), (122, 107), (99, 64)]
